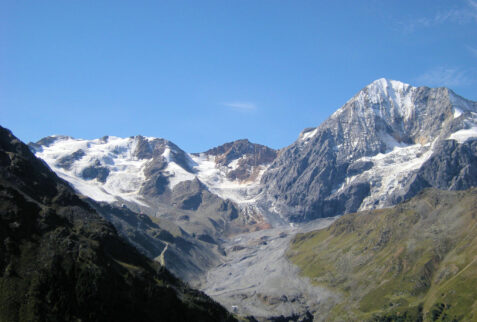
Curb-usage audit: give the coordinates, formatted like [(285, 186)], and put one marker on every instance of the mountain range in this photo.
[(382, 147), (191, 212)]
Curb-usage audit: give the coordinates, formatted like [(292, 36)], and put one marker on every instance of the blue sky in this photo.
[(202, 73)]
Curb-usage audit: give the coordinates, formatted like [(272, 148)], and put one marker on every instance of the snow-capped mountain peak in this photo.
[(370, 153), (370, 148), (385, 85), (387, 99)]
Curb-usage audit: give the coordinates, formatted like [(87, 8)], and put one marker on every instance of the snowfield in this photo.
[(126, 172)]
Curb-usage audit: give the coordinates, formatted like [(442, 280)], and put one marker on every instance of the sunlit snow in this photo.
[(126, 172), (390, 172), (215, 178), (306, 136), (463, 135)]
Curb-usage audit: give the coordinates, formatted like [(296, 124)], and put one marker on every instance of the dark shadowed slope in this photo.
[(59, 261)]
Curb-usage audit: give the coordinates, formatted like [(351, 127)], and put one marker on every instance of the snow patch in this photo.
[(85, 188), (392, 143), (392, 171), (235, 163), (177, 174), (306, 136), (463, 135), (215, 178), (398, 93), (167, 154), (457, 112), (461, 105)]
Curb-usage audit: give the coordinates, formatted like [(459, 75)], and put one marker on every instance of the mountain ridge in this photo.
[(61, 261), (337, 167)]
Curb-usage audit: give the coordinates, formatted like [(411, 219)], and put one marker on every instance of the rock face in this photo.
[(184, 254), (245, 159), (383, 146), (60, 261), (453, 166)]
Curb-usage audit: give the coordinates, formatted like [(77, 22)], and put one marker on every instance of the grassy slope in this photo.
[(416, 260)]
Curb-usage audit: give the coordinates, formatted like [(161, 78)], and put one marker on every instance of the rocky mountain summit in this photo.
[(60, 261), (383, 146), (245, 160)]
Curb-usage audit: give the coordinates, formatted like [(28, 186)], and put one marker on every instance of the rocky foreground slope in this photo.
[(413, 262), (60, 261)]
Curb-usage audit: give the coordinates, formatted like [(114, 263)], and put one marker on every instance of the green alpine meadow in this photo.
[(413, 262)]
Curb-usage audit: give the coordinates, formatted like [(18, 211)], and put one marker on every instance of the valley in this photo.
[(296, 233), (256, 279)]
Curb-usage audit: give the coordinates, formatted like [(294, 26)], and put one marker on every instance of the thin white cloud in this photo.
[(244, 106), (444, 76), (463, 15), (472, 50), (473, 6)]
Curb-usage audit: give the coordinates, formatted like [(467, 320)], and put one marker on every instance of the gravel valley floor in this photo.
[(255, 278)]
